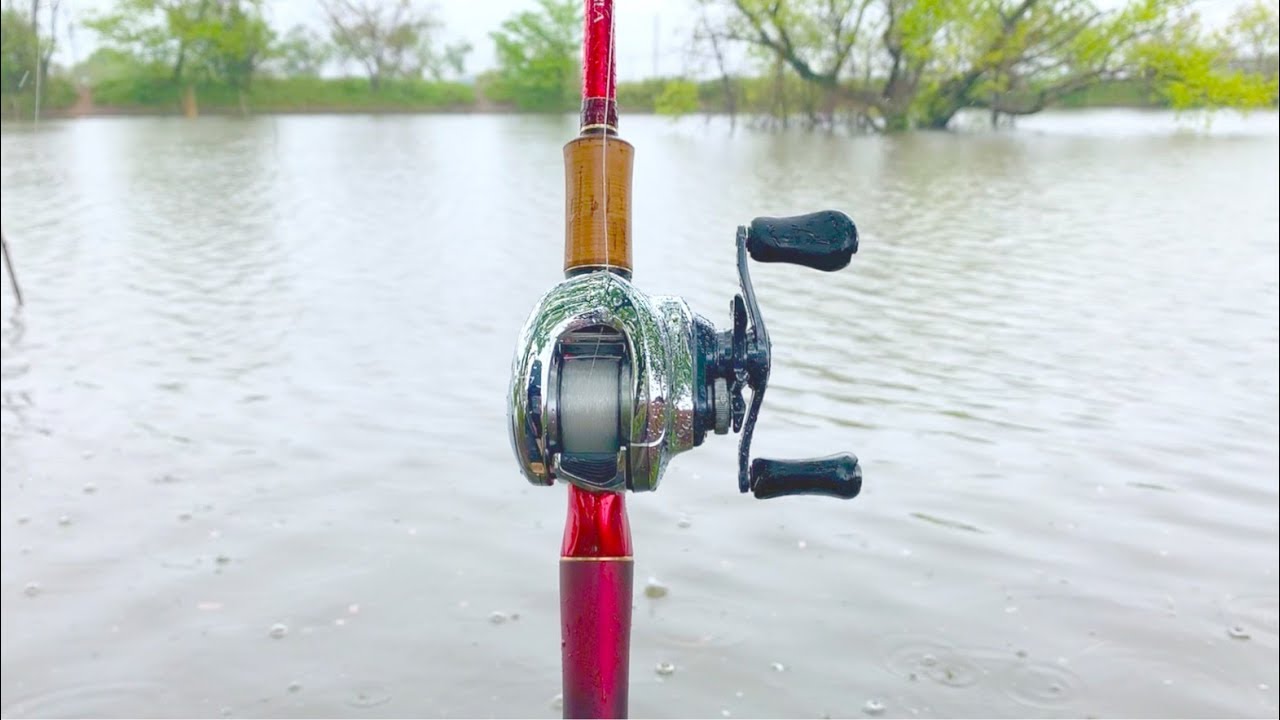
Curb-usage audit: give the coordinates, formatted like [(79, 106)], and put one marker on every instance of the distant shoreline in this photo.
[(107, 111), (152, 97), (294, 97), (125, 111)]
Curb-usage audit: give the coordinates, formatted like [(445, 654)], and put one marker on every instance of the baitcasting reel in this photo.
[(609, 383)]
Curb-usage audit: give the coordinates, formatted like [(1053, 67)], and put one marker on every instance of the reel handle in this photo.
[(835, 476), (823, 240)]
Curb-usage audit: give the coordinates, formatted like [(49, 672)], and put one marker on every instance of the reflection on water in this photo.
[(277, 349)]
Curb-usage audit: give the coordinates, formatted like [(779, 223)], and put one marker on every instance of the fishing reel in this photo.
[(608, 383)]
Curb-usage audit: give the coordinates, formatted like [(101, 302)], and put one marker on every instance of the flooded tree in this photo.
[(925, 60), (709, 41)]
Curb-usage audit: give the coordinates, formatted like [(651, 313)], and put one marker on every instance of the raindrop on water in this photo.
[(497, 617), (684, 522), (654, 589), (24, 519), (802, 544), (90, 488), (1239, 633), (295, 686), (665, 669), (873, 707), (64, 520), (557, 702), (32, 589), (724, 713), (278, 631), (222, 559), (369, 696), (777, 666), (928, 660)]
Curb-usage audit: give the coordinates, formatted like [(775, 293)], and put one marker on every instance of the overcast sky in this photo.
[(639, 24), (652, 35)]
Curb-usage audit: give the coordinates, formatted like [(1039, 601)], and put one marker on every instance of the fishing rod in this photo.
[(608, 383)]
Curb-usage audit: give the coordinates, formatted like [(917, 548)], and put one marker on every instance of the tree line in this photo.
[(895, 64), (881, 65)]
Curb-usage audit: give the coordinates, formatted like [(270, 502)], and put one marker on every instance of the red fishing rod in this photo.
[(608, 383)]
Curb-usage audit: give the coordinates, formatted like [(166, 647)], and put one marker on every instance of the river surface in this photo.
[(255, 456)]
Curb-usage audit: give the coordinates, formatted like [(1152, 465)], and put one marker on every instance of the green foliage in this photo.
[(537, 57), (58, 93), (237, 39), (679, 97), (23, 50), (1115, 93), (157, 32), (1190, 71), (17, 51), (108, 64), (137, 91), (296, 94), (300, 53), (198, 40), (640, 95), (918, 62), (1253, 33)]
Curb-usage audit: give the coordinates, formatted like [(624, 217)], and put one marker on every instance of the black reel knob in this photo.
[(741, 356)]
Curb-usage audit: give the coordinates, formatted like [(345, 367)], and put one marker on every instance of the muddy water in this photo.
[(255, 460)]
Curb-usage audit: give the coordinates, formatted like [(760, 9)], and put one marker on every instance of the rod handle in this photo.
[(835, 476), (823, 240)]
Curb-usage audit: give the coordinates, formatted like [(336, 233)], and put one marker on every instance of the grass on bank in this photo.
[(268, 94), (143, 94)]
